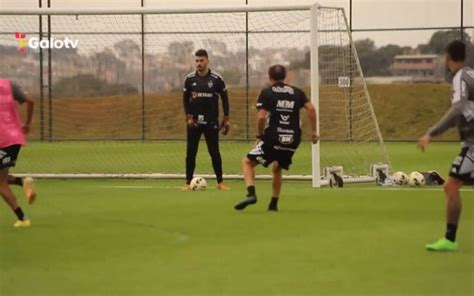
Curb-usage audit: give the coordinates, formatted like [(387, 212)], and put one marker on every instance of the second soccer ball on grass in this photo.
[(416, 179)]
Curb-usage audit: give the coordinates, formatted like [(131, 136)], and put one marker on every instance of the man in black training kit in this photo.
[(461, 116), (278, 133), (201, 92)]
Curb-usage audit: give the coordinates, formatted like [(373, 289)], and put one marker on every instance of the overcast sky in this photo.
[(367, 14)]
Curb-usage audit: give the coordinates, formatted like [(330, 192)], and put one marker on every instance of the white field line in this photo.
[(326, 188)]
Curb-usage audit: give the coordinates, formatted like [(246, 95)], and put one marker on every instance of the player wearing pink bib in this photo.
[(12, 137)]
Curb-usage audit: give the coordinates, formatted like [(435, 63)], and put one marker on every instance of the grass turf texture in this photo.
[(149, 238)]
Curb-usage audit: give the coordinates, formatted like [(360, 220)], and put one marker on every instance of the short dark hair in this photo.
[(277, 72), (456, 51), (201, 53)]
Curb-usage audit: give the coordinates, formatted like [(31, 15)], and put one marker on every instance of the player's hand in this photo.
[(190, 121), (314, 138), (423, 142), (225, 126), (26, 129)]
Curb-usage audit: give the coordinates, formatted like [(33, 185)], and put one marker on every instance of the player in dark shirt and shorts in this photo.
[(201, 92), (279, 133)]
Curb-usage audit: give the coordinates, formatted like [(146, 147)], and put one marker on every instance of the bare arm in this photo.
[(261, 120), (30, 106), (312, 121)]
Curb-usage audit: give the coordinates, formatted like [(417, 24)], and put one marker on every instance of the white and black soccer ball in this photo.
[(416, 179), (400, 178), (198, 184)]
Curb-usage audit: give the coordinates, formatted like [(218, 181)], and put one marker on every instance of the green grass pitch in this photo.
[(146, 237)]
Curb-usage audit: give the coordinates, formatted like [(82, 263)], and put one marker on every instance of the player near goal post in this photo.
[(12, 137), (202, 89), (461, 115), (278, 133)]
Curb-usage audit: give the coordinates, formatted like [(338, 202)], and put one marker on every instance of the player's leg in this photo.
[(276, 186), (211, 135), (192, 145), (283, 162), (11, 200), (12, 180), (260, 154), (248, 170), (453, 206), (461, 173), (28, 185)]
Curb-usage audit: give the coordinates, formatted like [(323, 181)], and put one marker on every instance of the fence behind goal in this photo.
[(113, 105)]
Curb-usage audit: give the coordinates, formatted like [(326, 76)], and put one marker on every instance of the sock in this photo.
[(251, 191), (273, 203), (19, 213), (451, 232), (18, 181)]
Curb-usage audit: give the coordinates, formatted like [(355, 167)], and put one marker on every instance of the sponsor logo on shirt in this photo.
[(285, 139), (285, 130), (196, 95), (285, 105), (284, 89), (284, 119)]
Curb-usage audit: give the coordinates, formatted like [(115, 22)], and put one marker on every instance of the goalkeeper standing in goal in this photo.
[(278, 133), (202, 89), (12, 137), (460, 115)]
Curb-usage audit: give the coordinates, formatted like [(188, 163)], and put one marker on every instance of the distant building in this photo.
[(421, 67)]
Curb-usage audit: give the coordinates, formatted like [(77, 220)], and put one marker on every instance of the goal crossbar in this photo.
[(159, 10)]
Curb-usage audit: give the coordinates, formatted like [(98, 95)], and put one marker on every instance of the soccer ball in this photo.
[(198, 184), (416, 179), (400, 178)]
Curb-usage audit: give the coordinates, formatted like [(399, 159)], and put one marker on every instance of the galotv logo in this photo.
[(35, 42)]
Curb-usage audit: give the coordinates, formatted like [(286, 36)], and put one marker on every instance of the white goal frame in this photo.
[(315, 177)]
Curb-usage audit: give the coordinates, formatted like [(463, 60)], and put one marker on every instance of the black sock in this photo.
[(273, 204), (251, 191), (274, 200), (19, 213), (451, 232), (18, 181)]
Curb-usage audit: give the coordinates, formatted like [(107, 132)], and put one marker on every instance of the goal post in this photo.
[(114, 106), (314, 54)]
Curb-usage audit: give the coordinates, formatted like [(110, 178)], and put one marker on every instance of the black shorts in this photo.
[(463, 166), (265, 154), (8, 156)]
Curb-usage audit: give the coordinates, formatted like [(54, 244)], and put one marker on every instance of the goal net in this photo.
[(108, 86)]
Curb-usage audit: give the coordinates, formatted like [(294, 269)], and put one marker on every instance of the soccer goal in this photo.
[(108, 82)]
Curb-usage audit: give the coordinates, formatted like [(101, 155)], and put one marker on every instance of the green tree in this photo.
[(440, 39)]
